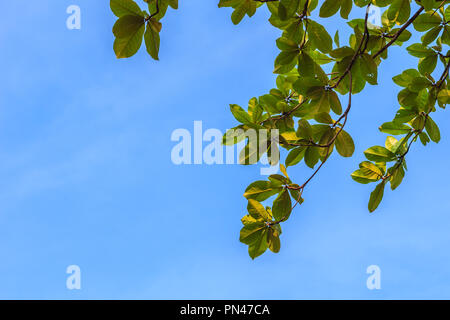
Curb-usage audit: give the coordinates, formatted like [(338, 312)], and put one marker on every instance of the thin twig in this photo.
[(399, 32)]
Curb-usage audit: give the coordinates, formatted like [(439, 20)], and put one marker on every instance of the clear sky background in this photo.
[(86, 176)]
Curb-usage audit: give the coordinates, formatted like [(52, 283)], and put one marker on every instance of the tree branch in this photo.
[(303, 186), (399, 32), (156, 12), (357, 52)]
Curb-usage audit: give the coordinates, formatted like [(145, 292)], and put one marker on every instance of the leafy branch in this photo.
[(135, 25), (304, 110)]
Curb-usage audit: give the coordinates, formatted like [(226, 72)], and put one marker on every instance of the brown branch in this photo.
[(443, 76), (399, 32), (155, 13), (348, 71), (345, 116), (303, 186), (357, 52)]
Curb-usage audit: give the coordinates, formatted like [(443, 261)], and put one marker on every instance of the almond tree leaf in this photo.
[(259, 246), (125, 7), (282, 206), (127, 26), (127, 47), (376, 196), (273, 239), (433, 130), (379, 154), (344, 144), (261, 190), (257, 210), (320, 37), (152, 39)]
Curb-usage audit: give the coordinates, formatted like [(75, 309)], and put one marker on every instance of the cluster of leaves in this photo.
[(417, 101), (135, 25), (315, 73)]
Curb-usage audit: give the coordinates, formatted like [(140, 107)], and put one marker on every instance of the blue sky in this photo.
[(87, 179)]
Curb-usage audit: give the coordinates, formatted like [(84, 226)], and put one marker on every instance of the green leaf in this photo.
[(287, 8), (344, 144), (239, 13), (295, 156), (399, 11), (361, 177), (367, 173), (446, 35), (407, 76), (127, 26), (304, 130), (278, 179), (334, 102), (431, 35), (283, 171), (286, 57), (419, 50), (336, 39), (428, 64), (432, 130), (319, 37), (371, 169), (407, 98), (173, 4), (424, 139), (240, 114), (394, 145), (346, 8), (152, 39), (125, 7), (242, 7), (259, 246), (311, 156), (376, 196), (444, 96), (362, 3), (381, 3), (286, 44), (282, 206), (426, 21), (369, 69), (447, 14), (404, 115), (127, 47), (418, 84), (261, 190), (329, 8), (252, 232), (269, 103), (394, 128), (323, 117), (157, 14), (379, 154), (273, 239), (428, 4), (257, 211), (397, 177)]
